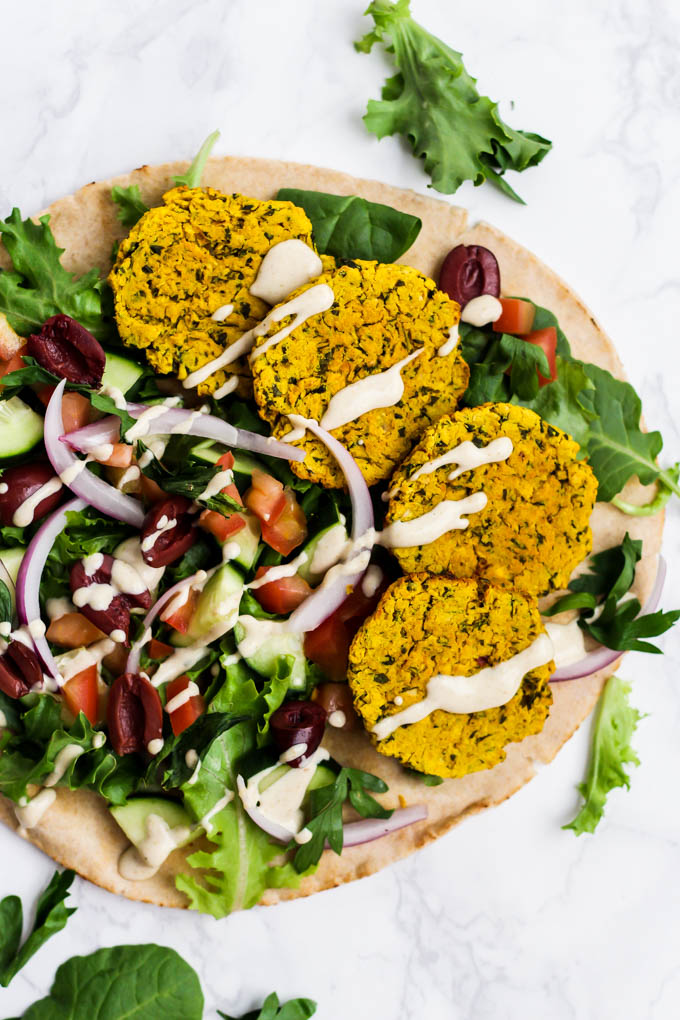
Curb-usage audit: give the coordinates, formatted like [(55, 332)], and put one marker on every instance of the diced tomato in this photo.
[(546, 339), (265, 497), (180, 618), (282, 595), (226, 461), (220, 525), (151, 491), (72, 630), (289, 530), (187, 713), (517, 316), (159, 649), (75, 411), (13, 364), (328, 647), (44, 393), (115, 662), (81, 694), (121, 456)]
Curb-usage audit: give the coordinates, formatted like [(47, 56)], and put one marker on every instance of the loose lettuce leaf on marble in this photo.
[(51, 916)]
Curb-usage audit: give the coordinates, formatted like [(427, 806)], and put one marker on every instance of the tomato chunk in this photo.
[(13, 364), (179, 618), (546, 339), (226, 461), (121, 456), (328, 647), (265, 497), (289, 530), (81, 694), (159, 649), (282, 595), (517, 316), (72, 630), (221, 525), (186, 714), (75, 411)]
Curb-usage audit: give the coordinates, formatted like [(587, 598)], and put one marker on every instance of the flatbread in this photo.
[(78, 831)]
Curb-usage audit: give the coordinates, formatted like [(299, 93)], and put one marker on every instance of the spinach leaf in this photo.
[(434, 104), (131, 205), (611, 751), (349, 227), (39, 286), (294, 1009), (145, 982), (189, 478), (618, 624), (325, 805), (192, 178), (50, 917)]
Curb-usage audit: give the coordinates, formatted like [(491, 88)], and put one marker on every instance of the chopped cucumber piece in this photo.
[(21, 428), (217, 607), (12, 560), (328, 545), (132, 817), (247, 540), (244, 464), (121, 372), (265, 658)]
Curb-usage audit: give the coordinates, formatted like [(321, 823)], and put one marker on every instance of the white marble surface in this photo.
[(508, 916)]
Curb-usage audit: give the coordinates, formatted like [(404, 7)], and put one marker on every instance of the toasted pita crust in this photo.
[(78, 831)]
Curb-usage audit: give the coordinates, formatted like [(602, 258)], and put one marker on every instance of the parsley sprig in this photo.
[(188, 478)]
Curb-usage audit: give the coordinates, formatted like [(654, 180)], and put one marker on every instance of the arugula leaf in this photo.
[(192, 178), (131, 205), (349, 227), (611, 751), (618, 624), (50, 917), (39, 286), (189, 479), (147, 982), (294, 1009), (657, 503), (434, 103), (325, 821)]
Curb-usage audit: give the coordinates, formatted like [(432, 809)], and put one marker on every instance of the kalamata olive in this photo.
[(168, 531), (18, 484), (298, 724), (20, 670), (68, 350), (134, 714), (118, 589), (468, 271), (336, 701)]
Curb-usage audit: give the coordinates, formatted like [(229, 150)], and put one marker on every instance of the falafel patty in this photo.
[(380, 315), (534, 528), (185, 259), (426, 625)]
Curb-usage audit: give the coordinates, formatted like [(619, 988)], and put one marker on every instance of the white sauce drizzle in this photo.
[(450, 344), (489, 688), (58, 607), (193, 762), (371, 581), (382, 389), (116, 395), (291, 753), (446, 516), (481, 310), (28, 815), (281, 802), (143, 423), (337, 719), (206, 820), (256, 632), (130, 551), (189, 692), (138, 863), (3, 719), (329, 550), (164, 524), (219, 481), (286, 266), (275, 573), (62, 762), (568, 643), (4, 487), (221, 313), (25, 512), (226, 388), (125, 580), (155, 746)]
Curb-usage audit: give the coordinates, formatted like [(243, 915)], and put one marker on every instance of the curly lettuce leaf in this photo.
[(434, 103), (39, 286), (51, 916), (611, 751)]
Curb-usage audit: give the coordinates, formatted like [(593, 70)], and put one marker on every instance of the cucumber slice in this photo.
[(328, 544), (132, 817), (248, 542), (218, 603), (12, 560), (21, 428), (121, 372), (264, 659)]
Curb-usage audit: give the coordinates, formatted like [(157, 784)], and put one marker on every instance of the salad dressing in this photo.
[(281, 803), (62, 763), (446, 516), (371, 581), (329, 550), (130, 551), (568, 643), (192, 761), (137, 863), (143, 423), (189, 692), (491, 687), (25, 512), (164, 524), (468, 457), (275, 573), (286, 266), (226, 388), (482, 310), (256, 632), (206, 821), (382, 389), (450, 344), (219, 481), (28, 814), (221, 313)]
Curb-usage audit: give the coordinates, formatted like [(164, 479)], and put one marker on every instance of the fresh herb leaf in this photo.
[(611, 751), (349, 227), (655, 505), (525, 361), (294, 1009), (145, 981), (502, 367), (131, 205), (434, 103), (605, 587), (32, 375), (107, 405), (192, 178), (189, 479), (325, 805), (171, 764), (6, 604), (39, 286), (50, 917)]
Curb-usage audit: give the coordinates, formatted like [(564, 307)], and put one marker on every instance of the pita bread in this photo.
[(78, 831)]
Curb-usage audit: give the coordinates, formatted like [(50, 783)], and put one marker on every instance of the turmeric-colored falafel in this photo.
[(427, 625)]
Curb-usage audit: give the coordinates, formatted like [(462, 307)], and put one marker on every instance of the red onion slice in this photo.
[(318, 606), (132, 664), (93, 490), (602, 657), (30, 574), (184, 422)]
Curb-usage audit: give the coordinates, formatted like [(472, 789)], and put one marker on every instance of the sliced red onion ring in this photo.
[(602, 657), (354, 833), (318, 606), (93, 490), (187, 423), (30, 574), (132, 664)]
